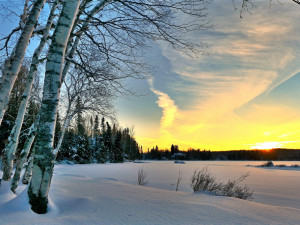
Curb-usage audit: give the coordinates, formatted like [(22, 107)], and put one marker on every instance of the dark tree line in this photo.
[(197, 154), (273, 154), (98, 143)]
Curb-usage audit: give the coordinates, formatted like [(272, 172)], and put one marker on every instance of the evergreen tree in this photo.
[(102, 154), (92, 141), (103, 126), (96, 126), (81, 139), (92, 127), (96, 140), (127, 143), (68, 150), (102, 151), (111, 144), (117, 148), (172, 149), (108, 142)]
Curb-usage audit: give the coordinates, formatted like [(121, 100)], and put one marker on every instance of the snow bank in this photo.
[(5, 193), (94, 194)]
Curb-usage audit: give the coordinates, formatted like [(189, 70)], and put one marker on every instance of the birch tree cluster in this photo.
[(12, 111), (82, 51)]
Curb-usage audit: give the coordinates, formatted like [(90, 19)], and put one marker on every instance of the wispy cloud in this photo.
[(285, 135), (211, 101), (169, 109)]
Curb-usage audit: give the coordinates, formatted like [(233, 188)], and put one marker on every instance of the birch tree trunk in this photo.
[(61, 137), (23, 157), (67, 65), (28, 169), (13, 63), (10, 148), (19, 167), (43, 162)]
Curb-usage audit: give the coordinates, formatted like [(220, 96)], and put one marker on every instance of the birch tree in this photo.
[(43, 162), (23, 156), (11, 147), (124, 28), (28, 169), (72, 93), (71, 49), (96, 96), (12, 65), (12, 108)]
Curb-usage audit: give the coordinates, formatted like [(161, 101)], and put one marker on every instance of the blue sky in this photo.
[(243, 94)]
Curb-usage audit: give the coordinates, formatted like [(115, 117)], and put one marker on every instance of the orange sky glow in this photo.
[(244, 95)]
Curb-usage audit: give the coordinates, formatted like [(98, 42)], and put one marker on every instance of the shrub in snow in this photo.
[(203, 180), (232, 189), (142, 177), (267, 164), (281, 165), (178, 180)]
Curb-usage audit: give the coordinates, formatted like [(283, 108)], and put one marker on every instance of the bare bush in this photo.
[(178, 181), (232, 189), (203, 180), (142, 177)]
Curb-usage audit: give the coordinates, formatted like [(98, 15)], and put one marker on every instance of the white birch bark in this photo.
[(61, 137), (67, 65), (28, 169), (10, 148), (13, 63), (19, 166), (43, 162), (23, 157)]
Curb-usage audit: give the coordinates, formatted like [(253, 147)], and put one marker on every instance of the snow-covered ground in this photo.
[(109, 194)]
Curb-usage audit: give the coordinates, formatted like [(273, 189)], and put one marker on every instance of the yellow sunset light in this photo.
[(267, 145)]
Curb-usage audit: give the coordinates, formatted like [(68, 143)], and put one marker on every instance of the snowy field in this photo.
[(109, 194)]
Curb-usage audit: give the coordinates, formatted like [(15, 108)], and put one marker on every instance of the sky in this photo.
[(243, 95)]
